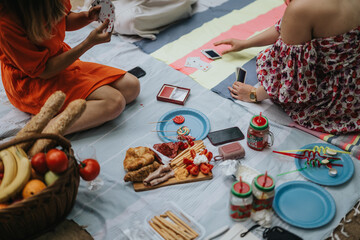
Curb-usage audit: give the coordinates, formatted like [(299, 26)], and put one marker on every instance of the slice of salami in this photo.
[(179, 119)]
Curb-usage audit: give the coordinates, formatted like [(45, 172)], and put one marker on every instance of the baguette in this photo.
[(59, 125), (38, 122)]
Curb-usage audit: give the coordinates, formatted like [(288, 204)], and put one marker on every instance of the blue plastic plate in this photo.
[(320, 175), (195, 120), (304, 204)]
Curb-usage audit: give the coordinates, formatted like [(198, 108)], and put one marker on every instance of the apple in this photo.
[(50, 178), (38, 162)]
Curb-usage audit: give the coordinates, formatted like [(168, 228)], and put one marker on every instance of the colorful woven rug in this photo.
[(232, 19)]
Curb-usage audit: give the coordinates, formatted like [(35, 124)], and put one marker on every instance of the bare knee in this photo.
[(129, 86), (114, 105), (133, 88)]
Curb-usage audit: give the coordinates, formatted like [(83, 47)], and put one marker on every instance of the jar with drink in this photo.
[(263, 192), (241, 201), (258, 133)]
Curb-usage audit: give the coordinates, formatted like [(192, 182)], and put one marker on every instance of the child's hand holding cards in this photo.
[(107, 12)]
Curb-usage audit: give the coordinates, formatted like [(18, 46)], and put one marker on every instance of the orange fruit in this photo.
[(32, 188), (3, 205)]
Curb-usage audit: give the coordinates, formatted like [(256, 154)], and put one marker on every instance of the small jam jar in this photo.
[(241, 201), (258, 132), (263, 191)]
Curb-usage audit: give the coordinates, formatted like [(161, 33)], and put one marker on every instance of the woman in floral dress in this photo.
[(312, 68)]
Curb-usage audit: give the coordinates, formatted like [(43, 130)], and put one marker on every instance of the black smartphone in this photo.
[(210, 53), (240, 74), (137, 72), (225, 135)]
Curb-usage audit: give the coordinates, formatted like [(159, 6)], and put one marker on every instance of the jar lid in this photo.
[(259, 122), (263, 185), (242, 189)]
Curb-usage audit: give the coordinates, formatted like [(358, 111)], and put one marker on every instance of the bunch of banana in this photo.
[(17, 171)]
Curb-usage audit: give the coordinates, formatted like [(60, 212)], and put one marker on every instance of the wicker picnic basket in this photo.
[(33, 216)]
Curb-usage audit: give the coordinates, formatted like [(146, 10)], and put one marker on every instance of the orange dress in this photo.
[(22, 62)]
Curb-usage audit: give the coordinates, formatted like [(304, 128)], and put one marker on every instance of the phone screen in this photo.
[(212, 53), (241, 74), (225, 136)]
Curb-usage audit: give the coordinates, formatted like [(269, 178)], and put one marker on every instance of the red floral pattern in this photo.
[(316, 83)]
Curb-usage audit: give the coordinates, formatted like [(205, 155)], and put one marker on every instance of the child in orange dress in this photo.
[(36, 62)]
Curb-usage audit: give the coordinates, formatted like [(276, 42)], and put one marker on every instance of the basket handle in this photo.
[(60, 139)]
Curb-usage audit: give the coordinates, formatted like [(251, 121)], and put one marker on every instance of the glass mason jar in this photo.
[(258, 132), (241, 200), (263, 191)]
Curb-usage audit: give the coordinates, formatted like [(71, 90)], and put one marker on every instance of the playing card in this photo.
[(192, 62), (196, 62), (107, 12)]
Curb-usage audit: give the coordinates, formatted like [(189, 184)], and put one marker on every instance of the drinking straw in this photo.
[(265, 177), (297, 170), (240, 184)]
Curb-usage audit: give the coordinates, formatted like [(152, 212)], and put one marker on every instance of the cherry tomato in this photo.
[(209, 156), (187, 161), (194, 170), (56, 160), (38, 163), (89, 169), (192, 153), (205, 168)]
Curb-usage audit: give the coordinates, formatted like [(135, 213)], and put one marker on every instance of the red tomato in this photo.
[(205, 168), (56, 160), (38, 163), (194, 170), (89, 169)]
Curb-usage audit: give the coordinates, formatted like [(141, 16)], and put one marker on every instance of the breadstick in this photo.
[(164, 228), (177, 220), (60, 124), (174, 228), (38, 122), (159, 230)]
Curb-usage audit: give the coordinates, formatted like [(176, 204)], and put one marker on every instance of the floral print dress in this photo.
[(317, 83)]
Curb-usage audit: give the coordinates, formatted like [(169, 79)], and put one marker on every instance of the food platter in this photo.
[(320, 175), (196, 121), (139, 186), (304, 204)]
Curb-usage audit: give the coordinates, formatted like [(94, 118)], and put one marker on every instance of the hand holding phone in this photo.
[(240, 74), (225, 135)]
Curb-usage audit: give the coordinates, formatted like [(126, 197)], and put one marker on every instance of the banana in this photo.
[(10, 168), (22, 175)]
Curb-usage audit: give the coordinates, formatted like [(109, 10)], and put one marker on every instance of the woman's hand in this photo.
[(93, 13), (235, 44), (99, 35), (241, 91)]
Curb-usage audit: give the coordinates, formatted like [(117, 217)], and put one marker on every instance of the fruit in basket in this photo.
[(3, 205), (38, 162), (10, 168), (50, 177), (89, 169), (1, 167), (32, 188), (23, 172), (56, 160)]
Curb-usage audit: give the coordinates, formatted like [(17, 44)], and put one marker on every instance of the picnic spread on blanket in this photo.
[(182, 161)]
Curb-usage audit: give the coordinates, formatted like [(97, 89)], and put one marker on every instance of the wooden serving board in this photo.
[(139, 186)]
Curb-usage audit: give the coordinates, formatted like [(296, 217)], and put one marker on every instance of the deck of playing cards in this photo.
[(107, 12), (196, 62)]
